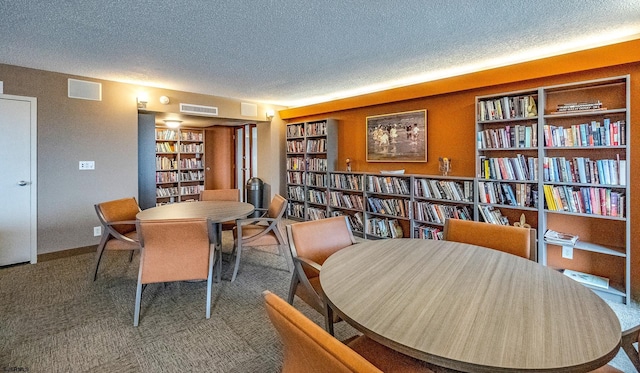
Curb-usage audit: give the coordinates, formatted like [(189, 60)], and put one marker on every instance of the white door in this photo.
[(17, 181)]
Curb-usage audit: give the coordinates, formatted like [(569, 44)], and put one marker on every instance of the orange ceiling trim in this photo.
[(606, 56)]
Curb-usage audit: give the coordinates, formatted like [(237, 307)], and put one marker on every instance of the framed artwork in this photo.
[(397, 137)]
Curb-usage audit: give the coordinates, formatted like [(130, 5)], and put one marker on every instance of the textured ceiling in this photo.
[(294, 52)]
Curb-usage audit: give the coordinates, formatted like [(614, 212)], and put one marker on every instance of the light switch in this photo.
[(87, 165)]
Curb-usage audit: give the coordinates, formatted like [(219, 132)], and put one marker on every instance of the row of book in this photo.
[(346, 200), (195, 175), (586, 171), (317, 196), (191, 189), (518, 194), (389, 206), (166, 163), (356, 220), (295, 177), (437, 213), (166, 177), (295, 146), (428, 233), (296, 193), (518, 168), (507, 108), (165, 147), (346, 181), (316, 214), (296, 163), (587, 134), (191, 136), (387, 184), (317, 180), (166, 192), (387, 228), (190, 163), (295, 210), (171, 135), (511, 136), (317, 164), (295, 130), (191, 148), (592, 200), (316, 129), (317, 146), (492, 215), (444, 189)]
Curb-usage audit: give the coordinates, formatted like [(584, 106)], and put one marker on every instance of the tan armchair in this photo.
[(174, 250), (513, 240), (222, 195), (261, 231), (311, 243), (118, 219), (308, 348)]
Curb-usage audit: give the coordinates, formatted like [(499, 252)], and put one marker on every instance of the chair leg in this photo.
[(293, 287), (136, 312), (212, 258), (286, 257), (99, 252), (237, 265), (131, 256)]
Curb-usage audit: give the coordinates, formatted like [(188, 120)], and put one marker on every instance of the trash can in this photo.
[(254, 190)]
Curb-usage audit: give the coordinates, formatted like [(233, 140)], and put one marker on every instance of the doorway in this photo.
[(246, 139), (18, 206)]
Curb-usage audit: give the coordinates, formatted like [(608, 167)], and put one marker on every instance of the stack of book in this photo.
[(578, 106), (558, 238)]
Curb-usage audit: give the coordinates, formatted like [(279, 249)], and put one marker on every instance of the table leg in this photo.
[(328, 317), (215, 236)]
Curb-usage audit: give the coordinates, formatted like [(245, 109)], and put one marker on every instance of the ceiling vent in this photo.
[(207, 111)]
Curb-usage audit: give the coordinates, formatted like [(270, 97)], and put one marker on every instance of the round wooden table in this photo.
[(216, 212), (469, 308)]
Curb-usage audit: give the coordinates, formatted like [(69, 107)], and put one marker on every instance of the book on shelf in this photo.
[(586, 278), (559, 238)]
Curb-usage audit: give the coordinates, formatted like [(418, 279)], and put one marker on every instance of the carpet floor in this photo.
[(53, 318)]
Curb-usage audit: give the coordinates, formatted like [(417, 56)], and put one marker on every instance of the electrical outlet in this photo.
[(87, 165), (97, 231), (567, 252)]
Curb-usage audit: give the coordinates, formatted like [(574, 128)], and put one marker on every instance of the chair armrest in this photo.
[(122, 222), (629, 337), (118, 235), (248, 221), (309, 263)]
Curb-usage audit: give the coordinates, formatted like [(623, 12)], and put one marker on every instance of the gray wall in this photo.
[(73, 130)]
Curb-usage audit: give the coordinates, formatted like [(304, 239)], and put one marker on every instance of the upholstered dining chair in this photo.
[(261, 231), (311, 243), (308, 348), (118, 219), (222, 195), (506, 238), (174, 250)]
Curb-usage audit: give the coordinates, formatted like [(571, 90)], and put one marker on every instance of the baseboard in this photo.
[(67, 253)]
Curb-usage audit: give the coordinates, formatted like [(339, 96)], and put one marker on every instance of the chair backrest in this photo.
[(318, 239), (506, 238), (220, 195), (307, 347), (277, 207), (119, 210), (174, 250)]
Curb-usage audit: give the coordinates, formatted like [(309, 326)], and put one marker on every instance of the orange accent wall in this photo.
[(451, 120)]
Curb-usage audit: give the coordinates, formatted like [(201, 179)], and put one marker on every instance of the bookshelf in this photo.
[(179, 165), (310, 156), (564, 166)]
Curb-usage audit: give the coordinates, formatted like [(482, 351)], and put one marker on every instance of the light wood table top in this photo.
[(215, 211), (469, 308)]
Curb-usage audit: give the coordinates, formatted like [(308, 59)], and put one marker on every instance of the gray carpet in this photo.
[(54, 319)]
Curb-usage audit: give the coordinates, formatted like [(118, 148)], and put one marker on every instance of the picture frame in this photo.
[(397, 137)]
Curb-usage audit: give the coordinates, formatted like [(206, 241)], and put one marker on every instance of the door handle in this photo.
[(23, 183)]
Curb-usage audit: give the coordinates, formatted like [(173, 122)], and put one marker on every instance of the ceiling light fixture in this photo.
[(172, 123)]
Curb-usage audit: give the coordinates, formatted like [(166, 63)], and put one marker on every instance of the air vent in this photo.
[(207, 111), (84, 90)]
